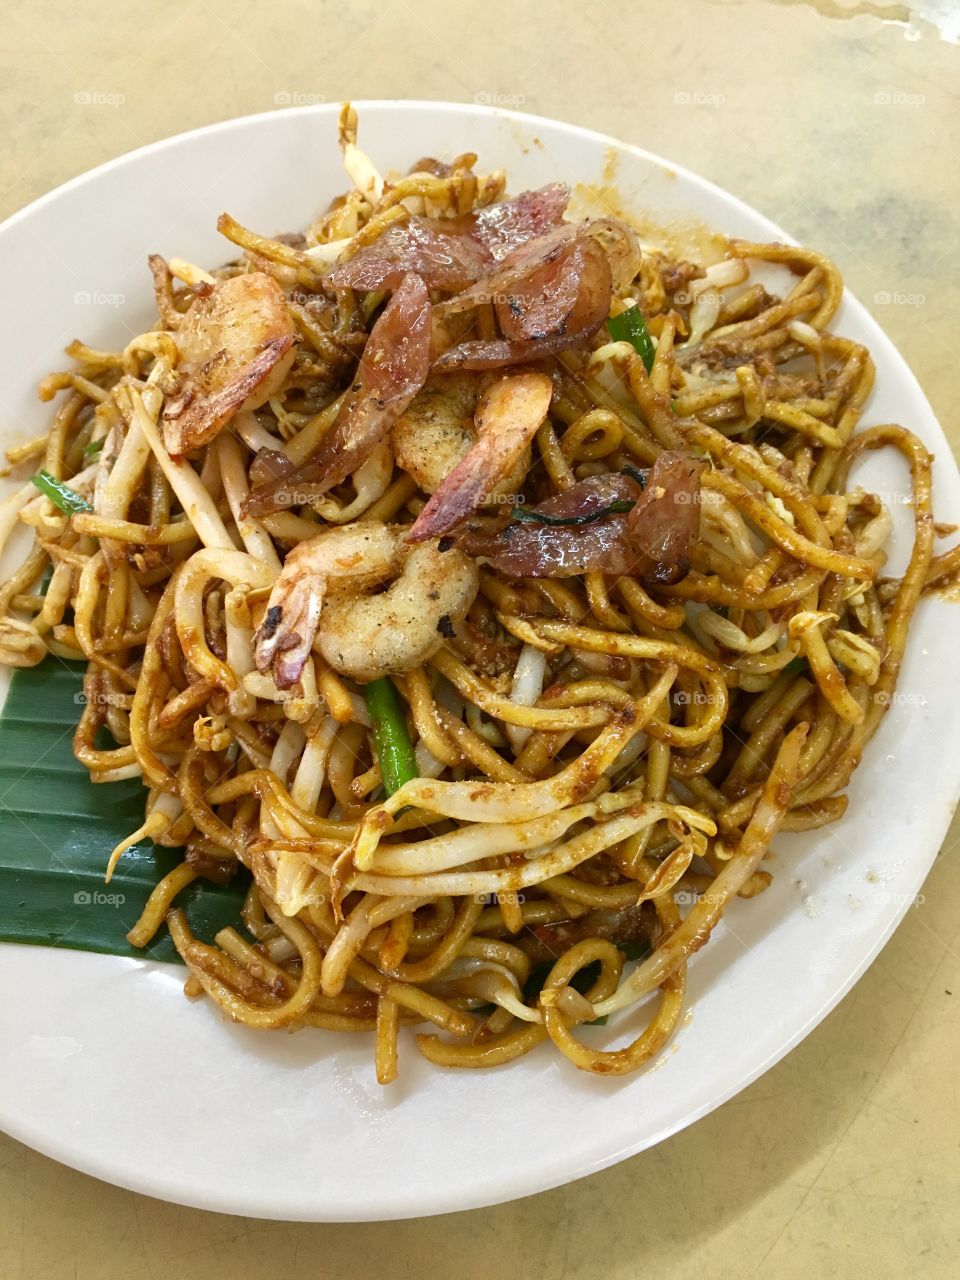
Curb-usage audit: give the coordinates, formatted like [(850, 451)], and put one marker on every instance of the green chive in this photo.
[(630, 326), (796, 667), (60, 494), (94, 448), (635, 474), (398, 764), (525, 516)]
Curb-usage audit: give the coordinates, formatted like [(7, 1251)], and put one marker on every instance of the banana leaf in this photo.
[(57, 829)]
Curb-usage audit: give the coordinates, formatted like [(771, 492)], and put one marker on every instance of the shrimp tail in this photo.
[(285, 637), (191, 419)]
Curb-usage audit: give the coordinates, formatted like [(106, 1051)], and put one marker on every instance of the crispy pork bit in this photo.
[(236, 344), (627, 927)]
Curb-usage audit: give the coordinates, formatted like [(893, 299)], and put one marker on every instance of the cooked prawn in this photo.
[(366, 635), (285, 636), (362, 635), (508, 415), (236, 342), (438, 431)]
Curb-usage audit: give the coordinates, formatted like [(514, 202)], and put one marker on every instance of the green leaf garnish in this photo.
[(635, 474), (633, 950), (61, 827)]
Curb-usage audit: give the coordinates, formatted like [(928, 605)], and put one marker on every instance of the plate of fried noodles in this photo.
[(522, 564)]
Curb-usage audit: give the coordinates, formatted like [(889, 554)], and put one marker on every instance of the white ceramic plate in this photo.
[(103, 1063)]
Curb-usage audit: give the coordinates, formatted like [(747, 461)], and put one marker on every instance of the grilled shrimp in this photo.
[(361, 634), (285, 636), (365, 635), (509, 413), (438, 431), (236, 344)]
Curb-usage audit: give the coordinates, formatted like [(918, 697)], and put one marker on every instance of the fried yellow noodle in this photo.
[(489, 584)]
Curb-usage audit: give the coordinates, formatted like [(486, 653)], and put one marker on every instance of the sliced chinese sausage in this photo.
[(392, 370), (552, 294), (586, 528)]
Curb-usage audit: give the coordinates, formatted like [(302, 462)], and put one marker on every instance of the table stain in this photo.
[(898, 13), (921, 17)]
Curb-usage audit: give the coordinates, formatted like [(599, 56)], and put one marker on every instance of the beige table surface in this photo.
[(843, 1161)]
